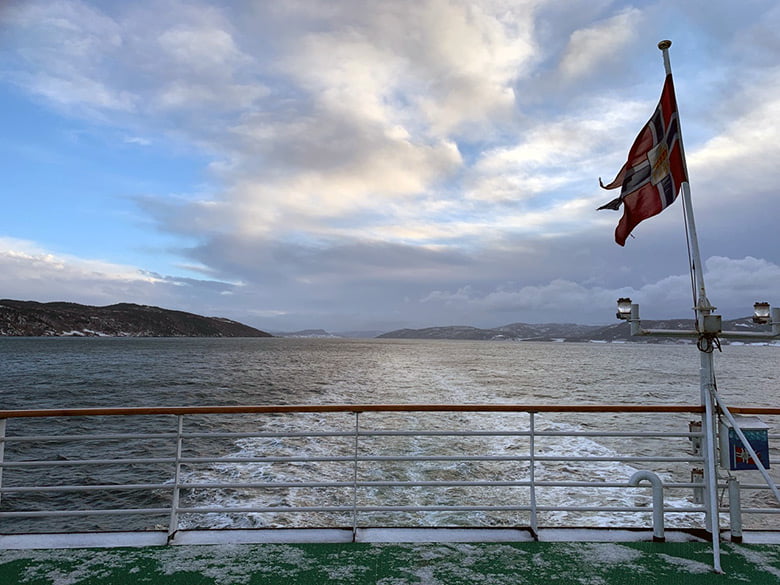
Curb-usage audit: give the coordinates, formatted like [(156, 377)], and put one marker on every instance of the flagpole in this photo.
[(706, 371), (696, 267)]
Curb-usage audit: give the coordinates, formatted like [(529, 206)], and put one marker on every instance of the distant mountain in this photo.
[(28, 318), (323, 334), (549, 331), (513, 332), (618, 332), (306, 333), (451, 332), (360, 334)]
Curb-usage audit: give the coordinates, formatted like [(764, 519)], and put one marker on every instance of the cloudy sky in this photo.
[(369, 164)]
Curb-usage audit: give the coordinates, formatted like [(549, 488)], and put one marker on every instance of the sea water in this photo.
[(104, 372)]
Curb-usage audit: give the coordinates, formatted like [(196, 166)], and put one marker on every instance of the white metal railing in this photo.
[(353, 465)]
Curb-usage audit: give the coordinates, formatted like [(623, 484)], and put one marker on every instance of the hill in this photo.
[(29, 318), (619, 331)]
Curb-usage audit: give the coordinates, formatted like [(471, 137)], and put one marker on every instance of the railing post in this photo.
[(173, 524), (355, 478), (697, 476), (532, 473), (735, 510), (3, 422)]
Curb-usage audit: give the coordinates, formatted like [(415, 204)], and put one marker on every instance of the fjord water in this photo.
[(86, 372), (92, 372)]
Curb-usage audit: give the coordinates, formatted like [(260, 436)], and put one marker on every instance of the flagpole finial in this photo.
[(664, 46)]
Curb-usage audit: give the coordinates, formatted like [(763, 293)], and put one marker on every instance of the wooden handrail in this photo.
[(765, 410), (325, 408)]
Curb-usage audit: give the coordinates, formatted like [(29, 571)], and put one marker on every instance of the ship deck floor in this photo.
[(680, 561)]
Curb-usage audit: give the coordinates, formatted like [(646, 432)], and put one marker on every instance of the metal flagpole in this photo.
[(706, 369)]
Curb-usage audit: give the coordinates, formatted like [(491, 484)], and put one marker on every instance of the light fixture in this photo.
[(624, 308), (761, 313)]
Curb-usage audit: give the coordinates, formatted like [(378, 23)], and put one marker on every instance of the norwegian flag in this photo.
[(654, 171)]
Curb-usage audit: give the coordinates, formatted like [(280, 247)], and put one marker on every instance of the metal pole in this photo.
[(707, 370), (2, 452), (173, 524), (355, 478), (775, 321), (703, 304), (532, 474), (735, 510), (696, 267), (709, 427)]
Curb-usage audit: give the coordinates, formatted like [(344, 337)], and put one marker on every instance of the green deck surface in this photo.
[(537, 563)]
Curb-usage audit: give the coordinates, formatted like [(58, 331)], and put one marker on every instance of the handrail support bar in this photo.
[(658, 501)]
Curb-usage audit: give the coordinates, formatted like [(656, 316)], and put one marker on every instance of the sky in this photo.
[(372, 165)]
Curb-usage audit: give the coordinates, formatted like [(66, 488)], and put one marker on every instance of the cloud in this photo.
[(748, 146), (137, 140), (99, 65), (556, 152), (440, 64), (362, 125), (200, 48), (599, 45), (358, 126), (744, 278), (28, 271), (61, 48), (726, 278), (331, 163), (373, 280)]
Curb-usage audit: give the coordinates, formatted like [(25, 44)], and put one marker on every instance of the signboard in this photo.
[(733, 454)]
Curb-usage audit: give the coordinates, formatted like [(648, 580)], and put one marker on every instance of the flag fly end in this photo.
[(614, 204)]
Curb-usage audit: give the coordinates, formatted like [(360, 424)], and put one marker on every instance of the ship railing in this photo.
[(358, 466)]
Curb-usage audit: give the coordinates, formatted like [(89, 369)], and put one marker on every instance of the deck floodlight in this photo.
[(624, 308), (761, 313)]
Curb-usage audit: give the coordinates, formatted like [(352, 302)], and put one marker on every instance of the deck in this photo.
[(599, 561)]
